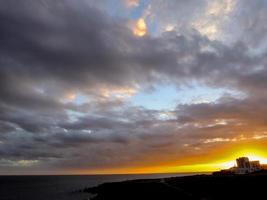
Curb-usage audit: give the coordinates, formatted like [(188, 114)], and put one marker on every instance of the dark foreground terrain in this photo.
[(251, 186)]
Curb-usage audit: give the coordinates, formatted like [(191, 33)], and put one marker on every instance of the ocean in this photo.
[(60, 187)]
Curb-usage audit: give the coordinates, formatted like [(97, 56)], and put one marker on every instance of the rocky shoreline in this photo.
[(202, 187)]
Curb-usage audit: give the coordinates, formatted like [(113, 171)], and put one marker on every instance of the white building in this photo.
[(245, 166)]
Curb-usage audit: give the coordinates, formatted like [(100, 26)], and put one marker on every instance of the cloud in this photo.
[(69, 69), (140, 28), (132, 3)]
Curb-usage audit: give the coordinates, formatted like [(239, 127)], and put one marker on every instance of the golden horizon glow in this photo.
[(197, 167)]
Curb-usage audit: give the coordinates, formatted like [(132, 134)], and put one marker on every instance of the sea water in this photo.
[(60, 187)]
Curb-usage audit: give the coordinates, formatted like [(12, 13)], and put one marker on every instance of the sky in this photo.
[(131, 86)]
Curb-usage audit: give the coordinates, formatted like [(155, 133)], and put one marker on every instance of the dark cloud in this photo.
[(49, 49)]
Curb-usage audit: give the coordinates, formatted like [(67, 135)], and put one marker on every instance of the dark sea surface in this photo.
[(59, 187)]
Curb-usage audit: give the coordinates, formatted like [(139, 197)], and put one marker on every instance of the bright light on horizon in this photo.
[(252, 154), (254, 157)]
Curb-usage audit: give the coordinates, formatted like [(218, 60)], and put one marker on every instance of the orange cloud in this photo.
[(117, 92), (140, 28), (132, 3)]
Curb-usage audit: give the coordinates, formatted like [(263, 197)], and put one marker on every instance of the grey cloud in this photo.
[(70, 47), (249, 22), (49, 48)]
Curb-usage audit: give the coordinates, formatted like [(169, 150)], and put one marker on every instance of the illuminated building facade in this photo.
[(245, 166)]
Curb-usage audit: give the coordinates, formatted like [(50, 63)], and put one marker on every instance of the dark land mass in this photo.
[(204, 187)]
